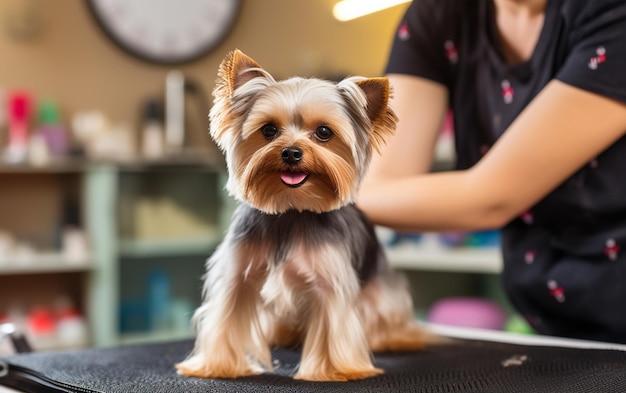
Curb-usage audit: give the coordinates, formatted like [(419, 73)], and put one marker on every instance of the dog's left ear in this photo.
[(378, 93)]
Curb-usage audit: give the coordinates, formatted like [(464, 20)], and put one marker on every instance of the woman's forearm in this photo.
[(432, 202), (545, 145)]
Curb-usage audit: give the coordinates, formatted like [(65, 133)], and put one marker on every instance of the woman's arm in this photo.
[(560, 131), (420, 105)]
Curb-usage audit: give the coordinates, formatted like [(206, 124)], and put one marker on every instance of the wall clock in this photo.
[(166, 31)]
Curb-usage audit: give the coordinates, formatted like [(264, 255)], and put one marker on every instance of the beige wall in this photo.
[(72, 61)]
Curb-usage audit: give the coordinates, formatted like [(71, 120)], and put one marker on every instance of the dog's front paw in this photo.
[(200, 368), (338, 375)]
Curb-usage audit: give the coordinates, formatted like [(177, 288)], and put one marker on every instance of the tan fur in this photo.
[(258, 294)]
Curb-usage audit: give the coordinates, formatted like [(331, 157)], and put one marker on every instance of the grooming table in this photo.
[(475, 361)]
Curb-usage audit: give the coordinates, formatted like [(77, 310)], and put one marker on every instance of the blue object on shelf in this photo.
[(159, 299), (490, 238), (134, 316), (453, 239), (399, 238)]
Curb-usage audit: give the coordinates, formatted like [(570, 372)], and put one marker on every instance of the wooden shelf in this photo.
[(61, 165), (211, 162), (168, 247), (153, 337), (464, 260), (42, 263)]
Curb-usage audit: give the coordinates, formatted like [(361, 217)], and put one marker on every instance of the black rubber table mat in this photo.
[(462, 366)]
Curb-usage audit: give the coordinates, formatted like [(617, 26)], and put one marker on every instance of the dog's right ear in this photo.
[(236, 69)]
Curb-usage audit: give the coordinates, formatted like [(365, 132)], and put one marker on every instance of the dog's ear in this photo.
[(378, 93), (236, 69)]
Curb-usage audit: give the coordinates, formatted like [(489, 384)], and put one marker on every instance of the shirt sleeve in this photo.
[(418, 46), (596, 59)]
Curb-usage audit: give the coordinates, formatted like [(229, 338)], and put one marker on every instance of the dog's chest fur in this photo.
[(299, 247)]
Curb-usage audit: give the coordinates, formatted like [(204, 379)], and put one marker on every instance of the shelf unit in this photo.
[(108, 193), (33, 208), (124, 260)]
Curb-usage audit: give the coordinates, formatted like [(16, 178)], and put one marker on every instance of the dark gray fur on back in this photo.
[(345, 227)]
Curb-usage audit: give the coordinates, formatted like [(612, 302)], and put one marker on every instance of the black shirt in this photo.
[(565, 259)]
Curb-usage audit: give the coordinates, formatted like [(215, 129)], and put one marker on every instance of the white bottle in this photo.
[(152, 144)]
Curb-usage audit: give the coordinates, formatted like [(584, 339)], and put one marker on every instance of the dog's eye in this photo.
[(323, 133), (269, 131)]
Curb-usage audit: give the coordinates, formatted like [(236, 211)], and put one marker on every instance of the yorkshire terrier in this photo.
[(300, 264)]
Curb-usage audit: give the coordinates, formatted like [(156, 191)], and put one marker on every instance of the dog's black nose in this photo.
[(292, 155)]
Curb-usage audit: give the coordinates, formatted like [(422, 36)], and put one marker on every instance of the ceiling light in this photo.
[(351, 9)]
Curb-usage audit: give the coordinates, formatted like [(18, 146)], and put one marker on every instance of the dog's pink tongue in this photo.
[(292, 178)]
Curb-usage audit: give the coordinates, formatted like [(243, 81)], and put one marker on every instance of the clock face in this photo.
[(166, 31)]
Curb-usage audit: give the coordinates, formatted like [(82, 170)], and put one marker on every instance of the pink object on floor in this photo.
[(468, 312)]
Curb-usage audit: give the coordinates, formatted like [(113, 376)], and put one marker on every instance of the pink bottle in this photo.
[(19, 111)]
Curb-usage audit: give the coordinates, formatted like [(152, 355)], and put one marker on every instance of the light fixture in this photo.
[(351, 9)]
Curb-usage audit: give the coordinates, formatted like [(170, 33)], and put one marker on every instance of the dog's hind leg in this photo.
[(388, 317)]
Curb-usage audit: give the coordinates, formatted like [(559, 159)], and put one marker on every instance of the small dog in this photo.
[(300, 264)]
